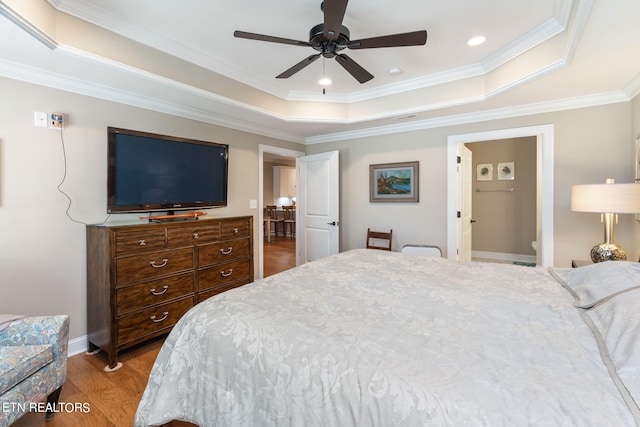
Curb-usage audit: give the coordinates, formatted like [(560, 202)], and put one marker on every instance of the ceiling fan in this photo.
[(330, 37)]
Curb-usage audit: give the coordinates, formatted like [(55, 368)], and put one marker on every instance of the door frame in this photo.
[(262, 149), (545, 206)]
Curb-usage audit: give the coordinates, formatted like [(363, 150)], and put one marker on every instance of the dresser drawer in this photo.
[(152, 320), (185, 236), (136, 297), (154, 264), (235, 228), (140, 240), (222, 251), (223, 273)]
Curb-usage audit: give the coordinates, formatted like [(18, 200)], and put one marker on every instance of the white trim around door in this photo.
[(545, 138)]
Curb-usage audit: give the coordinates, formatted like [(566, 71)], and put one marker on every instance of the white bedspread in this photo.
[(374, 338)]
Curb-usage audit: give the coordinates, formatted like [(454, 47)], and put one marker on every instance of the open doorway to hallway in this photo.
[(279, 214)]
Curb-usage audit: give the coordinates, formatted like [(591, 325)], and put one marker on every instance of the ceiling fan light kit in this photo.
[(331, 37)]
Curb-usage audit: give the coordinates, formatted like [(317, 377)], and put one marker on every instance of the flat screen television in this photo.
[(149, 172)]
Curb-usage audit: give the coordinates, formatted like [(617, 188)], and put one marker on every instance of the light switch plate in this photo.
[(39, 119)]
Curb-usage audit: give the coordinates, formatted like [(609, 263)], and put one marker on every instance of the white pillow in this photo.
[(595, 283)]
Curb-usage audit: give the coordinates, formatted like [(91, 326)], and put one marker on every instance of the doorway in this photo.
[(279, 253), (544, 135), (501, 182)]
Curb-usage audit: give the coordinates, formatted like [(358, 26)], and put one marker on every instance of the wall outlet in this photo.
[(39, 119), (56, 121)]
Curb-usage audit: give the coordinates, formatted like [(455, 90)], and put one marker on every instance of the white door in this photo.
[(318, 226), (466, 177)]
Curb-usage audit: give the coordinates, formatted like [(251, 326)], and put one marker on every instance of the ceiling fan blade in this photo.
[(261, 37), (414, 38), (359, 73), (299, 66), (334, 11)]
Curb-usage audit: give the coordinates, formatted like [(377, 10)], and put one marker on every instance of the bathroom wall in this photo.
[(505, 221)]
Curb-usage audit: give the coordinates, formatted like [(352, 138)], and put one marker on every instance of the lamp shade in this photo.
[(606, 198)]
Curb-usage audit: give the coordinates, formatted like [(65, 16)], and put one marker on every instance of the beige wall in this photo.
[(505, 221), (591, 144), (42, 251)]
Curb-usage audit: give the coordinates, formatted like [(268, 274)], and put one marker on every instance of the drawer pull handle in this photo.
[(227, 273), (162, 319), (142, 242), (164, 289), (154, 265), (235, 231), (195, 235), (226, 251)]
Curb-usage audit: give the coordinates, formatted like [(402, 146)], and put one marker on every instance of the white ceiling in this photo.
[(540, 55)]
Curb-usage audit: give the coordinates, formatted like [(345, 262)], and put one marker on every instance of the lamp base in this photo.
[(607, 252)]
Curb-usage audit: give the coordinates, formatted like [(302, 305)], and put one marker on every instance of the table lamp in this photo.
[(609, 200)]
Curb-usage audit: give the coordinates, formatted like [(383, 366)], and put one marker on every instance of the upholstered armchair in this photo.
[(33, 364)]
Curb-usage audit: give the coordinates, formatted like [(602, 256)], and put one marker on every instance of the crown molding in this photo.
[(554, 26), (27, 26), (547, 30), (475, 117), (46, 78), (62, 82), (632, 89)]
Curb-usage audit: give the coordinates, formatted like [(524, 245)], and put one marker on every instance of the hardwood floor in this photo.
[(279, 255), (104, 399), (111, 399)]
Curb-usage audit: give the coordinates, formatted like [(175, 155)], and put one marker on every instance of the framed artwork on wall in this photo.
[(484, 172), (507, 171), (394, 182)]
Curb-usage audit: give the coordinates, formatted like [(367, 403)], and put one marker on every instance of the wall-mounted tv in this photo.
[(149, 172)]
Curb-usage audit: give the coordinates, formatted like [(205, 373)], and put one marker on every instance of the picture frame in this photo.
[(484, 172), (507, 171), (394, 182)]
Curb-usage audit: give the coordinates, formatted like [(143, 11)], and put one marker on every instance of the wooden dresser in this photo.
[(141, 279)]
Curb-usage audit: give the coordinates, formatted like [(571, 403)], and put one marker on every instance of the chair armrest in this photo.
[(38, 330)]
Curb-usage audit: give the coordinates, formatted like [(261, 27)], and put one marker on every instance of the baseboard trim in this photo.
[(499, 256), (77, 346)]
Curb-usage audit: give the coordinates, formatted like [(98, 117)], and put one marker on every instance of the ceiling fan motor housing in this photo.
[(326, 47)]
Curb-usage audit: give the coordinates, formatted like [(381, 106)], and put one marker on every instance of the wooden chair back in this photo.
[(373, 237), (289, 213), (270, 211)]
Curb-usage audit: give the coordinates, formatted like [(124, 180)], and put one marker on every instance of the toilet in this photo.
[(534, 245)]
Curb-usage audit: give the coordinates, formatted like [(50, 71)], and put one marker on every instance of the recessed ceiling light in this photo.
[(475, 41), (395, 71)]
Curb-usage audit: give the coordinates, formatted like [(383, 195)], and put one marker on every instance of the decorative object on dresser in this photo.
[(609, 200), (142, 278)]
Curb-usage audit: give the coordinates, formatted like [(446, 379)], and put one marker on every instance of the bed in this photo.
[(376, 338)]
